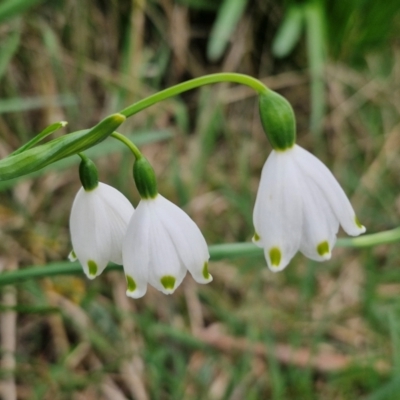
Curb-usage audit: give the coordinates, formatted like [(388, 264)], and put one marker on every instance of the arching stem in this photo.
[(132, 147), (255, 84)]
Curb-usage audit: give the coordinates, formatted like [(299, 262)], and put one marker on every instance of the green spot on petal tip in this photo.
[(275, 255), (206, 274), (131, 283), (323, 248), (256, 237), (92, 267), (358, 223), (72, 256), (168, 282)]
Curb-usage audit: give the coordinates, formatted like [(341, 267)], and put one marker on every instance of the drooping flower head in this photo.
[(299, 203), (299, 206), (162, 242), (98, 222)]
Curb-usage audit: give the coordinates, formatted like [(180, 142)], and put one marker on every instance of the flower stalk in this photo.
[(255, 84), (143, 172)]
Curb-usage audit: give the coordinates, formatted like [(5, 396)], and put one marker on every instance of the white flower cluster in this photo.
[(299, 206), (156, 244)]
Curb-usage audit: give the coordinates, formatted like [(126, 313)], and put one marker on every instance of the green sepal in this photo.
[(145, 179), (278, 120), (88, 173), (39, 157)]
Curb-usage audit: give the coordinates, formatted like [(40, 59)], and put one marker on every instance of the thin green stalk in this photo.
[(217, 252), (255, 84), (83, 156), (373, 239), (136, 152)]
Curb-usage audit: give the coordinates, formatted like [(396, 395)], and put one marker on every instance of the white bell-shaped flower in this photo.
[(299, 206), (98, 223), (162, 242)]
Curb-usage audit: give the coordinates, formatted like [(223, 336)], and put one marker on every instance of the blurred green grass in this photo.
[(80, 61)]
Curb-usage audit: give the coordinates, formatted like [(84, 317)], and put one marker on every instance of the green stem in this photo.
[(136, 152), (217, 252), (83, 156), (255, 84), (373, 239)]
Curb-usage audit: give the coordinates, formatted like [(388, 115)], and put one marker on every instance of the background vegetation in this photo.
[(316, 331)]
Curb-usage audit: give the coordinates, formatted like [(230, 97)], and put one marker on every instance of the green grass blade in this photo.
[(39, 137), (12, 8), (394, 327), (389, 391), (100, 150), (8, 48), (315, 24), (200, 4), (217, 252), (39, 157), (209, 123), (227, 18), (289, 32), (32, 103)]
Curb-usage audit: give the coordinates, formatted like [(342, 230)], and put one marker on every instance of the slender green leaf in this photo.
[(289, 32), (12, 8), (39, 137), (32, 103), (389, 391), (209, 122), (8, 48), (394, 327), (100, 150), (34, 159), (200, 4), (316, 42), (227, 19), (217, 252)]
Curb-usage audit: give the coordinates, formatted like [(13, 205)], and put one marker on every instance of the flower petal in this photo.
[(166, 270), (187, 238), (277, 213), (334, 194), (119, 212), (135, 252), (320, 225), (89, 227), (98, 224)]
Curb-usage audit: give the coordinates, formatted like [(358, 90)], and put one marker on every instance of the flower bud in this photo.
[(145, 179), (278, 120), (88, 174)]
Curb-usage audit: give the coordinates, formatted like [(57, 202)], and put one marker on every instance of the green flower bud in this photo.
[(88, 173), (40, 156), (278, 120), (145, 179)]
